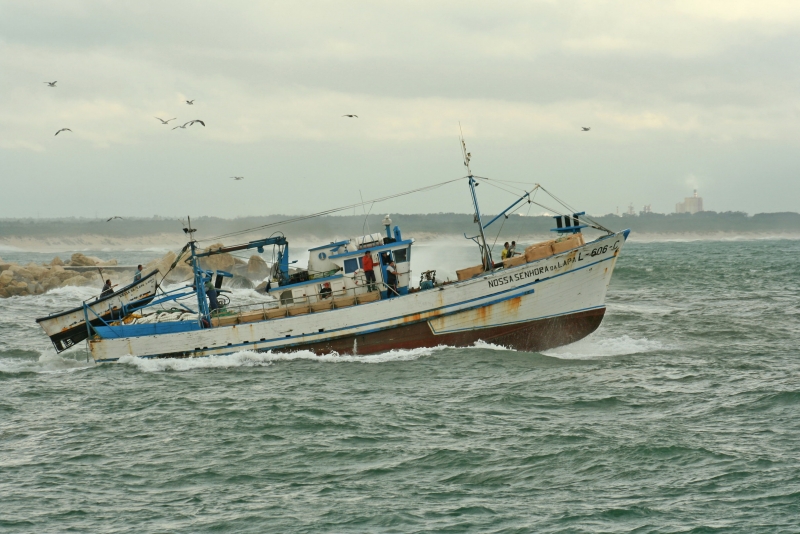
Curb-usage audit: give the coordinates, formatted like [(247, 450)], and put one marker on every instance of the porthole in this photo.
[(322, 255)]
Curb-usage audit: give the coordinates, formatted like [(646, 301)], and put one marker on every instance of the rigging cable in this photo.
[(328, 212), (174, 263), (530, 205), (597, 225), (498, 232)]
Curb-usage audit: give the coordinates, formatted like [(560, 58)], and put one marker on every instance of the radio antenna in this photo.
[(188, 228), (467, 155)]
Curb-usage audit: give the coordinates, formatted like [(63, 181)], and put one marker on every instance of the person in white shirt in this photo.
[(391, 279)]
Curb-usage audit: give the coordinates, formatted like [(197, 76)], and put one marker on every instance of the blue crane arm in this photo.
[(259, 244), (283, 253), (512, 206)]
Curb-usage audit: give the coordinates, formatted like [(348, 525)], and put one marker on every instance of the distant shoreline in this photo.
[(72, 235), (164, 242)]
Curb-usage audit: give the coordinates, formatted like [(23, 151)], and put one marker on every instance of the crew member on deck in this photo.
[(369, 265), (391, 280), (506, 251), (106, 289), (211, 293), (325, 292), (138, 275), (513, 250)]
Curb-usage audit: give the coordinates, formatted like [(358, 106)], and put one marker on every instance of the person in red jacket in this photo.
[(368, 265)]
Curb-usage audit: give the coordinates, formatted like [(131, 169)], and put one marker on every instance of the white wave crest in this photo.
[(47, 363), (257, 359), (78, 293), (597, 347), (480, 344)]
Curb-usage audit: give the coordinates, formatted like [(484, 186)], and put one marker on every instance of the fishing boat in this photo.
[(552, 295), (67, 328)]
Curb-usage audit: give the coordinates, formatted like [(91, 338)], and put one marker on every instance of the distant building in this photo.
[(691, 204), (646, 209)]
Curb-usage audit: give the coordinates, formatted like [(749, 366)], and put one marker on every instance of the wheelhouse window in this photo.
[(401, 255), (352, 265)]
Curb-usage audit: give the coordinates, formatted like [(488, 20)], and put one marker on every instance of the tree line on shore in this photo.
[(433, 223)]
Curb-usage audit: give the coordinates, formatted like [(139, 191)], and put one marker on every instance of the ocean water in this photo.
[(680, 414)]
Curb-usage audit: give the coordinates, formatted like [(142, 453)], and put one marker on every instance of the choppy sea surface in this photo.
[(680, 414)]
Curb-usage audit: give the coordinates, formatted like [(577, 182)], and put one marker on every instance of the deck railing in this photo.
[(250, 313)]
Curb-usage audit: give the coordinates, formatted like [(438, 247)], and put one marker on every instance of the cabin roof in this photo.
[(380, 248)]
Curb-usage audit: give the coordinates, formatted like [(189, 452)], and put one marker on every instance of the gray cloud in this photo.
[(678, 94)]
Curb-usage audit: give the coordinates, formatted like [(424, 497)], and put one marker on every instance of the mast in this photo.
[(199, 278), (486, 254)]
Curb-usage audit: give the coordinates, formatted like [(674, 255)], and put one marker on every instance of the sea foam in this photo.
[(47, 363), (597, 347), (257, 359)]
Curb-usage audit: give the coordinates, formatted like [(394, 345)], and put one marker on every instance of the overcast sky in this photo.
[(679, 94)]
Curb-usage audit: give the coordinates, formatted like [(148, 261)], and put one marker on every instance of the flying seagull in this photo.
[(238, 177), (167, 121), (586, 128), (190, 102), (189, 124), (51, 84), (63, 130), (351, 116), (114, 217)]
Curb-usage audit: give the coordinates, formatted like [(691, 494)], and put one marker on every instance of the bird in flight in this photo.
[(586, 128), (190, 102), (114, 217), (51, 84), (238, 177), (189, 124), (351, 116), (166, 121), (63, 130)]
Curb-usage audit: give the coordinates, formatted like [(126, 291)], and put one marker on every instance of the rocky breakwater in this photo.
[(245, 273), (82, 270), (35, 279)]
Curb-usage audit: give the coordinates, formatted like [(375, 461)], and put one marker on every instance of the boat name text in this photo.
[(516, 277), (569, 260)]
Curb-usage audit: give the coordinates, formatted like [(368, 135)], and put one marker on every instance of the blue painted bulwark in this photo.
[(139, 330)]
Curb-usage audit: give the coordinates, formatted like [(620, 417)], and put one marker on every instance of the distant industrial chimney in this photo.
[(691, 204)]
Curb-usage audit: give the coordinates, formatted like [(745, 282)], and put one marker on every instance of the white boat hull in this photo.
[(535, 306)]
